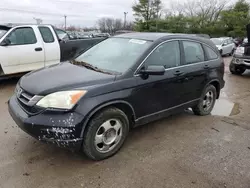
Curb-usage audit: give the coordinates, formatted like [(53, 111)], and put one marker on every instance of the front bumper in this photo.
[(241, 61), (60, 128)]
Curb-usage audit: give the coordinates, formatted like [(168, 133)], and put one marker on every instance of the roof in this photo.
[(156, 36), (143, 35)]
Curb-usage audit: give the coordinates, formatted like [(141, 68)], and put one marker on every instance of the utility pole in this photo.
[(65, 22), (38, 20), (125, 19)]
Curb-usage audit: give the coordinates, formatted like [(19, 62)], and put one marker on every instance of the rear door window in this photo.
[(193, 52), (46, 34)]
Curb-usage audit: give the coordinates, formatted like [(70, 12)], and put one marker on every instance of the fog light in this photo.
[(237, 61)]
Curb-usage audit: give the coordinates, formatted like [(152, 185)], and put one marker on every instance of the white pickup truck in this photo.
[(29, 47)]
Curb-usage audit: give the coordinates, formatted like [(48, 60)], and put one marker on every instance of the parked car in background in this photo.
[(122, 82), (226, 46), (241, 58), (29, 47), (101, 35), (3, 30)]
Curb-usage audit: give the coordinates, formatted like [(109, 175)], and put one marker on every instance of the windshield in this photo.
[(115, 54), (216, 41), (2, 33), (61, 34)]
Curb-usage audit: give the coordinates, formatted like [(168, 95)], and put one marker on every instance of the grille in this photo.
[(27, 101)]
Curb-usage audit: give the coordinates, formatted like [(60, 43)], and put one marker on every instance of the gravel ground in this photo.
[(183, 150)]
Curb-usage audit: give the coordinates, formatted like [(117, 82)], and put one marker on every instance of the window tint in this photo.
[(168, 55), (193, 52), (210, 53), (46, 34), (22, 36)]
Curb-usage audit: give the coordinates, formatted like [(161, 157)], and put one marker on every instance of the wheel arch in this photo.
[(125, 106), (216, 84)]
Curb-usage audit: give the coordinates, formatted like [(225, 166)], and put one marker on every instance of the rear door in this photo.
[(51, 45), (232, 45), (25, 52), (194, 69), (228, 46)]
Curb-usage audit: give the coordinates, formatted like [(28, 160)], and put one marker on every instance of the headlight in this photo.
[(62, 99), (240, 51)]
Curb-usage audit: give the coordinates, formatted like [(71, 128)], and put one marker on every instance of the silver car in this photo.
[(226, 46)]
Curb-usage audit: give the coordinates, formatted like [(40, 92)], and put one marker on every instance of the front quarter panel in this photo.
[(119, 91)]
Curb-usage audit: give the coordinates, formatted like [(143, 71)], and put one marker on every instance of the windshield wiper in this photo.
[(88, 66)]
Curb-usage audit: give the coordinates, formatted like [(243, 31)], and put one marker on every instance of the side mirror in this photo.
[(153, 70), (224, 44), (5, 42), (63, 41)]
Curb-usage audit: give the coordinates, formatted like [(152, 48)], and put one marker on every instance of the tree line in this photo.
[(212, 17)]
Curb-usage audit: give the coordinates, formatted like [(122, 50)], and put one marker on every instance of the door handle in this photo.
[(206, 67), (178, 73), (38, 49)]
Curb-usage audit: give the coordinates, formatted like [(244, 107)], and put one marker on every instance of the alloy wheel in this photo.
[(208, 100), (108, 135)]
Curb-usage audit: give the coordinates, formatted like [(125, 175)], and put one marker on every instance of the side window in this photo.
[(168, 55), (210, 53), (46, 34), (193, 52), (22, 36)]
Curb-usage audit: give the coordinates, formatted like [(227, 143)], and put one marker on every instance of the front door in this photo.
[(159, 92), (24, 53)]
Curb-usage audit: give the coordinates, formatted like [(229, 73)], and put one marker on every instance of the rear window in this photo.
[(46, 34)]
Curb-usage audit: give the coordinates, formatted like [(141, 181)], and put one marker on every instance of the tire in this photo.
[(232, 52), (221, 52), (105, 134), (236, 69), (202, 108)]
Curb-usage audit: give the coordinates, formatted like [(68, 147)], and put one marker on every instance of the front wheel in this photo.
[(105, 134), (206, 102), (236, 69)]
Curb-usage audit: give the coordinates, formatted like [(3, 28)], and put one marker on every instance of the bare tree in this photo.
[(102, 25), (109, 25), (206, 11)]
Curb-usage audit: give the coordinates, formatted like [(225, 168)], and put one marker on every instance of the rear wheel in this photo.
[(206, 102), (105, 134), (236, 69), (232, 52), (221, 52)]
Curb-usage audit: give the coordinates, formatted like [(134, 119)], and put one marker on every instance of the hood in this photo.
[(62, 77)]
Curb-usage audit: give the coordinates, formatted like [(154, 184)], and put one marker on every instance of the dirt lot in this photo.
[(180, 151)]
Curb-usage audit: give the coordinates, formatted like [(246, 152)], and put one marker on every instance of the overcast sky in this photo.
[(79, 12)]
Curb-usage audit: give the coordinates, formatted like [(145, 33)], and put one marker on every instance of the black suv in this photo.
[(91, 102)]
